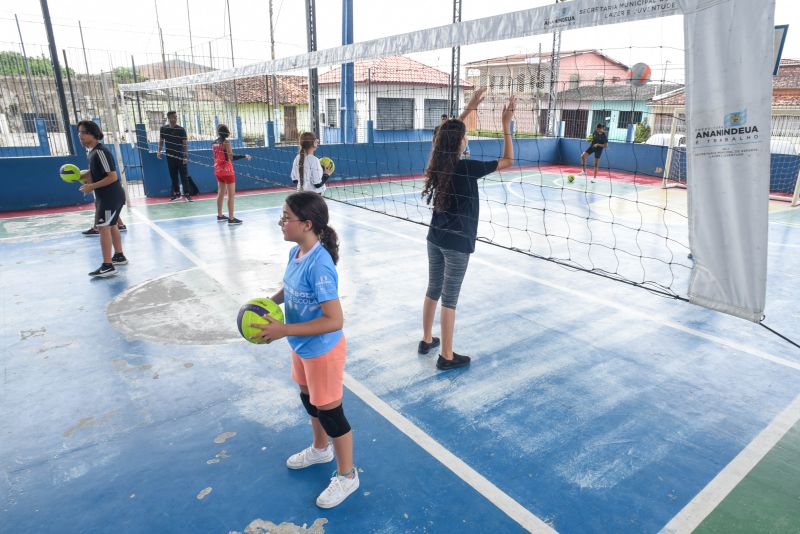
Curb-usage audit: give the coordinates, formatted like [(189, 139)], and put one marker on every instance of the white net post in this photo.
[(670, 152), (116, 136)]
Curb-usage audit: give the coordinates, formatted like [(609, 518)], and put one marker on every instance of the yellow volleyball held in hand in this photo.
[(70, 173), (326, 162), (253, 312)]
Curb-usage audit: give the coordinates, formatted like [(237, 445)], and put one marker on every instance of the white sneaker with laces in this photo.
[(338, 490), (310, 456)]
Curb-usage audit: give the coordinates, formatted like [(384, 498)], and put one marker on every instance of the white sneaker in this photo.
[(310, 456), (338, 490), (583, 173)]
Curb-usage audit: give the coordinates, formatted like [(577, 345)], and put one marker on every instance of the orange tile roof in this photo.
[(395, 70)]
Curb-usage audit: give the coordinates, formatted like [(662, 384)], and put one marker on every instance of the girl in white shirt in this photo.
[(307, 172)]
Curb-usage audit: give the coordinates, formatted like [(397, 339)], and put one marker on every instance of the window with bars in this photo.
[(628, 117), (331, 113), (574, 81), (434, 109), (521, 82), (50, 122), (155, 119), (395, 114)]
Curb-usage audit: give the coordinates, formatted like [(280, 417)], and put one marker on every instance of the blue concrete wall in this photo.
[(33, 182), (334, 135), (627, 157), (42, 149), (205, 144), (271, 167), (30, 183), (130, 157), (398, 136), (23, 151)]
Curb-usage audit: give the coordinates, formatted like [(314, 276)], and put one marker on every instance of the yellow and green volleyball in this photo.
[(69, 173), (326, 162), (253, 312)]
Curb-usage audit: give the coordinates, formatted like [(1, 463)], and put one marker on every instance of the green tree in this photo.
[(642, 132), (125, 75), (14, 63)]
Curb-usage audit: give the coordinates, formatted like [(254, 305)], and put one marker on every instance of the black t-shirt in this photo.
[(101, 162), (599, 138), (173, 140), (457, 228)]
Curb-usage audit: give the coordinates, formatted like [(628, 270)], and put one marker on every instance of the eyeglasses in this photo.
[(284, 219)]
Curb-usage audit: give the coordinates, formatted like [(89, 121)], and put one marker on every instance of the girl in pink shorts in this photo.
[(314, 331)]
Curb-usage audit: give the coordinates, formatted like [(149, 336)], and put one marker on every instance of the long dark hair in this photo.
[(223, 132), (309, 206), (306, 141), (444, 157)]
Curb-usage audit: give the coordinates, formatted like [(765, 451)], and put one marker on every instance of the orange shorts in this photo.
[(322, 375)]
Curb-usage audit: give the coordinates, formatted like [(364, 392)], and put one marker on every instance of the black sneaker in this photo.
[(174, 198), (91, 231), (457, 361), (234, 220), (121, 227), (189, 198), (119, 259), (107, 269), (222, 218), (425, 347)]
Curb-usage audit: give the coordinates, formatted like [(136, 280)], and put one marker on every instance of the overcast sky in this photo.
[(115, 29)]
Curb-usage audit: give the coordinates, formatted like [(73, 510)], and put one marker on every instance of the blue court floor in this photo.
[(131, 404)]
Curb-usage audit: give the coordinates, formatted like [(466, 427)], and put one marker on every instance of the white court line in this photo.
[(690, 517), (728, 478), (483, 486), (492, 493), (781, 223), (776, 244), (623, 308), (130, 209), (198, 216), (27, 237)]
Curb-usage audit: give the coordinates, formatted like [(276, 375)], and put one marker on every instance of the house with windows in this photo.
[(528, 77), (785, 107), (403, 97), (202, 107), (253, 100), (198, 107), (617, 106)]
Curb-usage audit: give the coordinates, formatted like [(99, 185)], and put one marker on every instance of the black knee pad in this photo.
[(310, 408), (334, 422)]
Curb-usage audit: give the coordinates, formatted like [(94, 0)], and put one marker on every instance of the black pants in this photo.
[(177, 168)]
